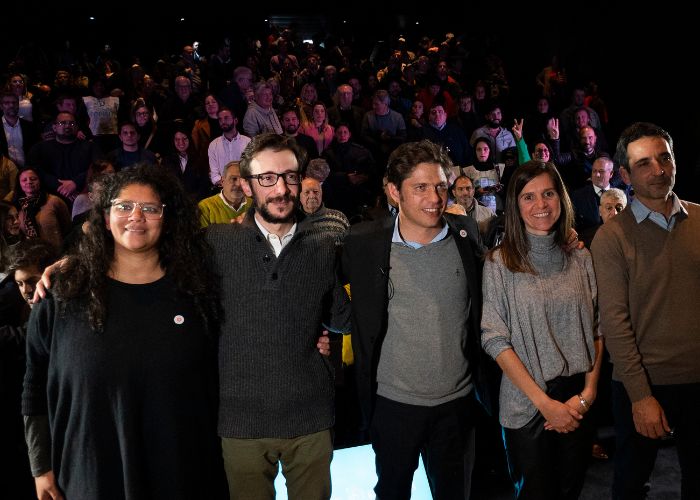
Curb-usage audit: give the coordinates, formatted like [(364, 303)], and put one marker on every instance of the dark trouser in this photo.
[(635, 454), (442, 435), (545, 464)]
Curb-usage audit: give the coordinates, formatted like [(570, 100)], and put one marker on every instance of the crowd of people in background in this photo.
[(210, 210)]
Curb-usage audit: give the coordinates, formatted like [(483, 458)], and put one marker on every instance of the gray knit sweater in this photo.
[(273, 381), (548, 319), (426, 327)]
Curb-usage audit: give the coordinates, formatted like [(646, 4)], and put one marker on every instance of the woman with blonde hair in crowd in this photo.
[(318, 128), (17, 84), (305, 102)]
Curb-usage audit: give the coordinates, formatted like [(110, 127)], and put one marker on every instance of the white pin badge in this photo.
[(463, 233), (179, 319)]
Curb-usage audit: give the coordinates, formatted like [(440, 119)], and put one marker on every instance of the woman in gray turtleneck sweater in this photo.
[(540, 325)]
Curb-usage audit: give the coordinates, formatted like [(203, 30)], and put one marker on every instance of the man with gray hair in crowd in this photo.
[(260, 116), (383, 129)]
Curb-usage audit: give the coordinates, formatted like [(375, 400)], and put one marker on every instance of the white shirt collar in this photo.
[(599, 190), (275, 242), (226, 202), (6, 124)]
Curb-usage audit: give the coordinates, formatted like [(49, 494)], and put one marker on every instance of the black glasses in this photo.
[(269, 179), (124, 208), (66, 123)]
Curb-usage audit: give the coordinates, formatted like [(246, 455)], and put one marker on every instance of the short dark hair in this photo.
[(33, 252), (515, 246), (7, 93), (635, 132), (492, 104), (291, 108), (127, 123), (66, 97), (404, 160), (273, 142), (344, 124), (225, 108)]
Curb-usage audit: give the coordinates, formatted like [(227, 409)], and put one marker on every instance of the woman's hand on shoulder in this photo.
[(44, 284), (572, 242)]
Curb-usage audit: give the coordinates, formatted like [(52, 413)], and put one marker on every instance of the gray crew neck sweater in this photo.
[(423, 358)]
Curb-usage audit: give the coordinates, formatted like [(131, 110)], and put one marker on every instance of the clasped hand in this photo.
[(562, 417)]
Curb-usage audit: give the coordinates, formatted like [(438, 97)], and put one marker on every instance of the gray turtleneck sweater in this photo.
[(549, 319)]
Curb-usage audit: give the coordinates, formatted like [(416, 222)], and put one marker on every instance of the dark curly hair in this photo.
[(33, 252), (182, 249)]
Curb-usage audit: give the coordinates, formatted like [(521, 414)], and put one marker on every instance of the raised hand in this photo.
[(553, 128), (518, 129)]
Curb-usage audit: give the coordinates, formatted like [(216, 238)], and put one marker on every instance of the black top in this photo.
[(131, 409)]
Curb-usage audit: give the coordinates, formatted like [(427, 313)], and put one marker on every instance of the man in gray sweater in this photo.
[(416, 290), (279, 284), (648, 268)]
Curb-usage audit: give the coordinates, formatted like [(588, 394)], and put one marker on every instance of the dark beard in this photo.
[(67, 137), (261, 208)]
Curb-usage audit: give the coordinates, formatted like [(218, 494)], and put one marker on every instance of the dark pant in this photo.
[(545, 464), (635, 454), (442, 435)]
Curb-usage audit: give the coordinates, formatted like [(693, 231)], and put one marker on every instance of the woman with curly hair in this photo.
[(120, 389)]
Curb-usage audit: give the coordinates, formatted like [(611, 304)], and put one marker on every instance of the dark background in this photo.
[(643, 60)]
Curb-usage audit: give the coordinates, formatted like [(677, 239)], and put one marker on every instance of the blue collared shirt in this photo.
[(397, 238), (642, 212)]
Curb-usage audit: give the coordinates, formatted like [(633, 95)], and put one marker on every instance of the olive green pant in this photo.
[(252, 464)]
